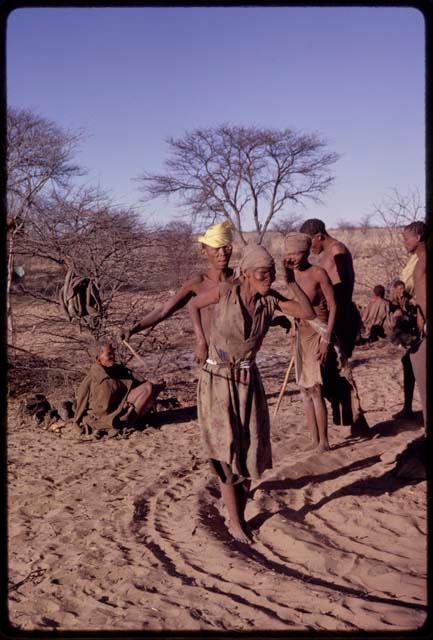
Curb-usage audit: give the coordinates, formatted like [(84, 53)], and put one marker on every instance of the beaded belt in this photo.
[(242, 364)]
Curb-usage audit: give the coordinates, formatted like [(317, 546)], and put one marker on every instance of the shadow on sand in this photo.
[(172, 416), (409, 470)]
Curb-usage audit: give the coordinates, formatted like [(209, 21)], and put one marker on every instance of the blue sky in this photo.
[(132, 77)]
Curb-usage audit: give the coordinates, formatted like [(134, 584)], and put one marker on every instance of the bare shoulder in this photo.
[(319, 273), (192, 284), (338, 247), (420, 266)]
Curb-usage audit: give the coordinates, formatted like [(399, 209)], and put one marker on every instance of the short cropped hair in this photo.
[(379, 290), (313, 226), (419, 228), (99, 345)]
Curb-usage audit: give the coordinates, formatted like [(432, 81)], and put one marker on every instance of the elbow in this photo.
[(307, 314)]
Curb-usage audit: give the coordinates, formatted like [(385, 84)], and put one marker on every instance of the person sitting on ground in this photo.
[(400, 298), (110, 397), (375, 316)]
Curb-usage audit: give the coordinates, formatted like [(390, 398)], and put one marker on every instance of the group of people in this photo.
[(231, 313)]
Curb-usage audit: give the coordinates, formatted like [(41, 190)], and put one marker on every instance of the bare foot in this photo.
[(237, 532), (323, 446)]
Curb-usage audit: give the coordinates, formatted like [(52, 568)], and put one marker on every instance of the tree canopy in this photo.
[(244, 174)]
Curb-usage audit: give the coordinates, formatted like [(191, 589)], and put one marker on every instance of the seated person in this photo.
[(402, 318), (109, 397), (375, 316), (400, 298)]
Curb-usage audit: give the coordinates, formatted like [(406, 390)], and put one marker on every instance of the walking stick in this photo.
[(134, 353), (283, 388)]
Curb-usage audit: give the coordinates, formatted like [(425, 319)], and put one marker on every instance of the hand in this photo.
[(398, 313), (323, 350), (200, 353), (125, 334), (288, 268)]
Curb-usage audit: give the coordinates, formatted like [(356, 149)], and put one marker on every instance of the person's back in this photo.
[(333, 256), (375, 315)]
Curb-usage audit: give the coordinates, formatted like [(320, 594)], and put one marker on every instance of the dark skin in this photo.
[(336, 259), (413, 243), (255, 283), (315, 283), (218, 271), (142, 396)]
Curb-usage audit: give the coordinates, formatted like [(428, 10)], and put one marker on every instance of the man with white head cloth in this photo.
[(232, 407)]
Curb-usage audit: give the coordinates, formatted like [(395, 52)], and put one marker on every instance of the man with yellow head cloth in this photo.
[(216, 246)]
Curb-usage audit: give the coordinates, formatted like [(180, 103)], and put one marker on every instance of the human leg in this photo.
[(321, 417), (419, 364), (242, 492), (310, 415), (142, 397), (235, 497), (408, 388)]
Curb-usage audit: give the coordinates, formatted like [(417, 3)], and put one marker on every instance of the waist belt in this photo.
[(242, 364)]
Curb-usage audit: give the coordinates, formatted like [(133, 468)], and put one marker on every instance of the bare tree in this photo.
[(177, 254), (386, 249), (39, 157), (244, 174), (346, 225), (83, 231), (290, 222), (366, 222)]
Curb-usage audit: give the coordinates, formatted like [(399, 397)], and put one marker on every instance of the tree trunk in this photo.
[(10, 318)]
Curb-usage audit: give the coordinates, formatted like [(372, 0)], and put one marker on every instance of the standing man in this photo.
[(414, 238), (311, 346), (216, 246), (321, 372), (336, 259)]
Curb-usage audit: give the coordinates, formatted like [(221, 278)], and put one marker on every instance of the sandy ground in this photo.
[(128, 534)]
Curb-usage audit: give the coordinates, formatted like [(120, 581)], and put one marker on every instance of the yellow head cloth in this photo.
[(407, 274), (296, 242), (218, 235)]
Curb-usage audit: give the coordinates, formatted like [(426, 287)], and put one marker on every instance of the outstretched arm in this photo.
[(205, 299), (173, 304)]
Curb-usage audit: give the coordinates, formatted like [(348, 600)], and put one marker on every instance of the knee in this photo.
[(147, 388)]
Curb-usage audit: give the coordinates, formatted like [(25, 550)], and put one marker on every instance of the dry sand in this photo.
[(128, 534)]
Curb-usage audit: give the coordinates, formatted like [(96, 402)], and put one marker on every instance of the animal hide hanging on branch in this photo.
[(80, 300)]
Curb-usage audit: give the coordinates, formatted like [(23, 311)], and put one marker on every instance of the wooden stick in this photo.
[(134, 353), (283, 388)]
